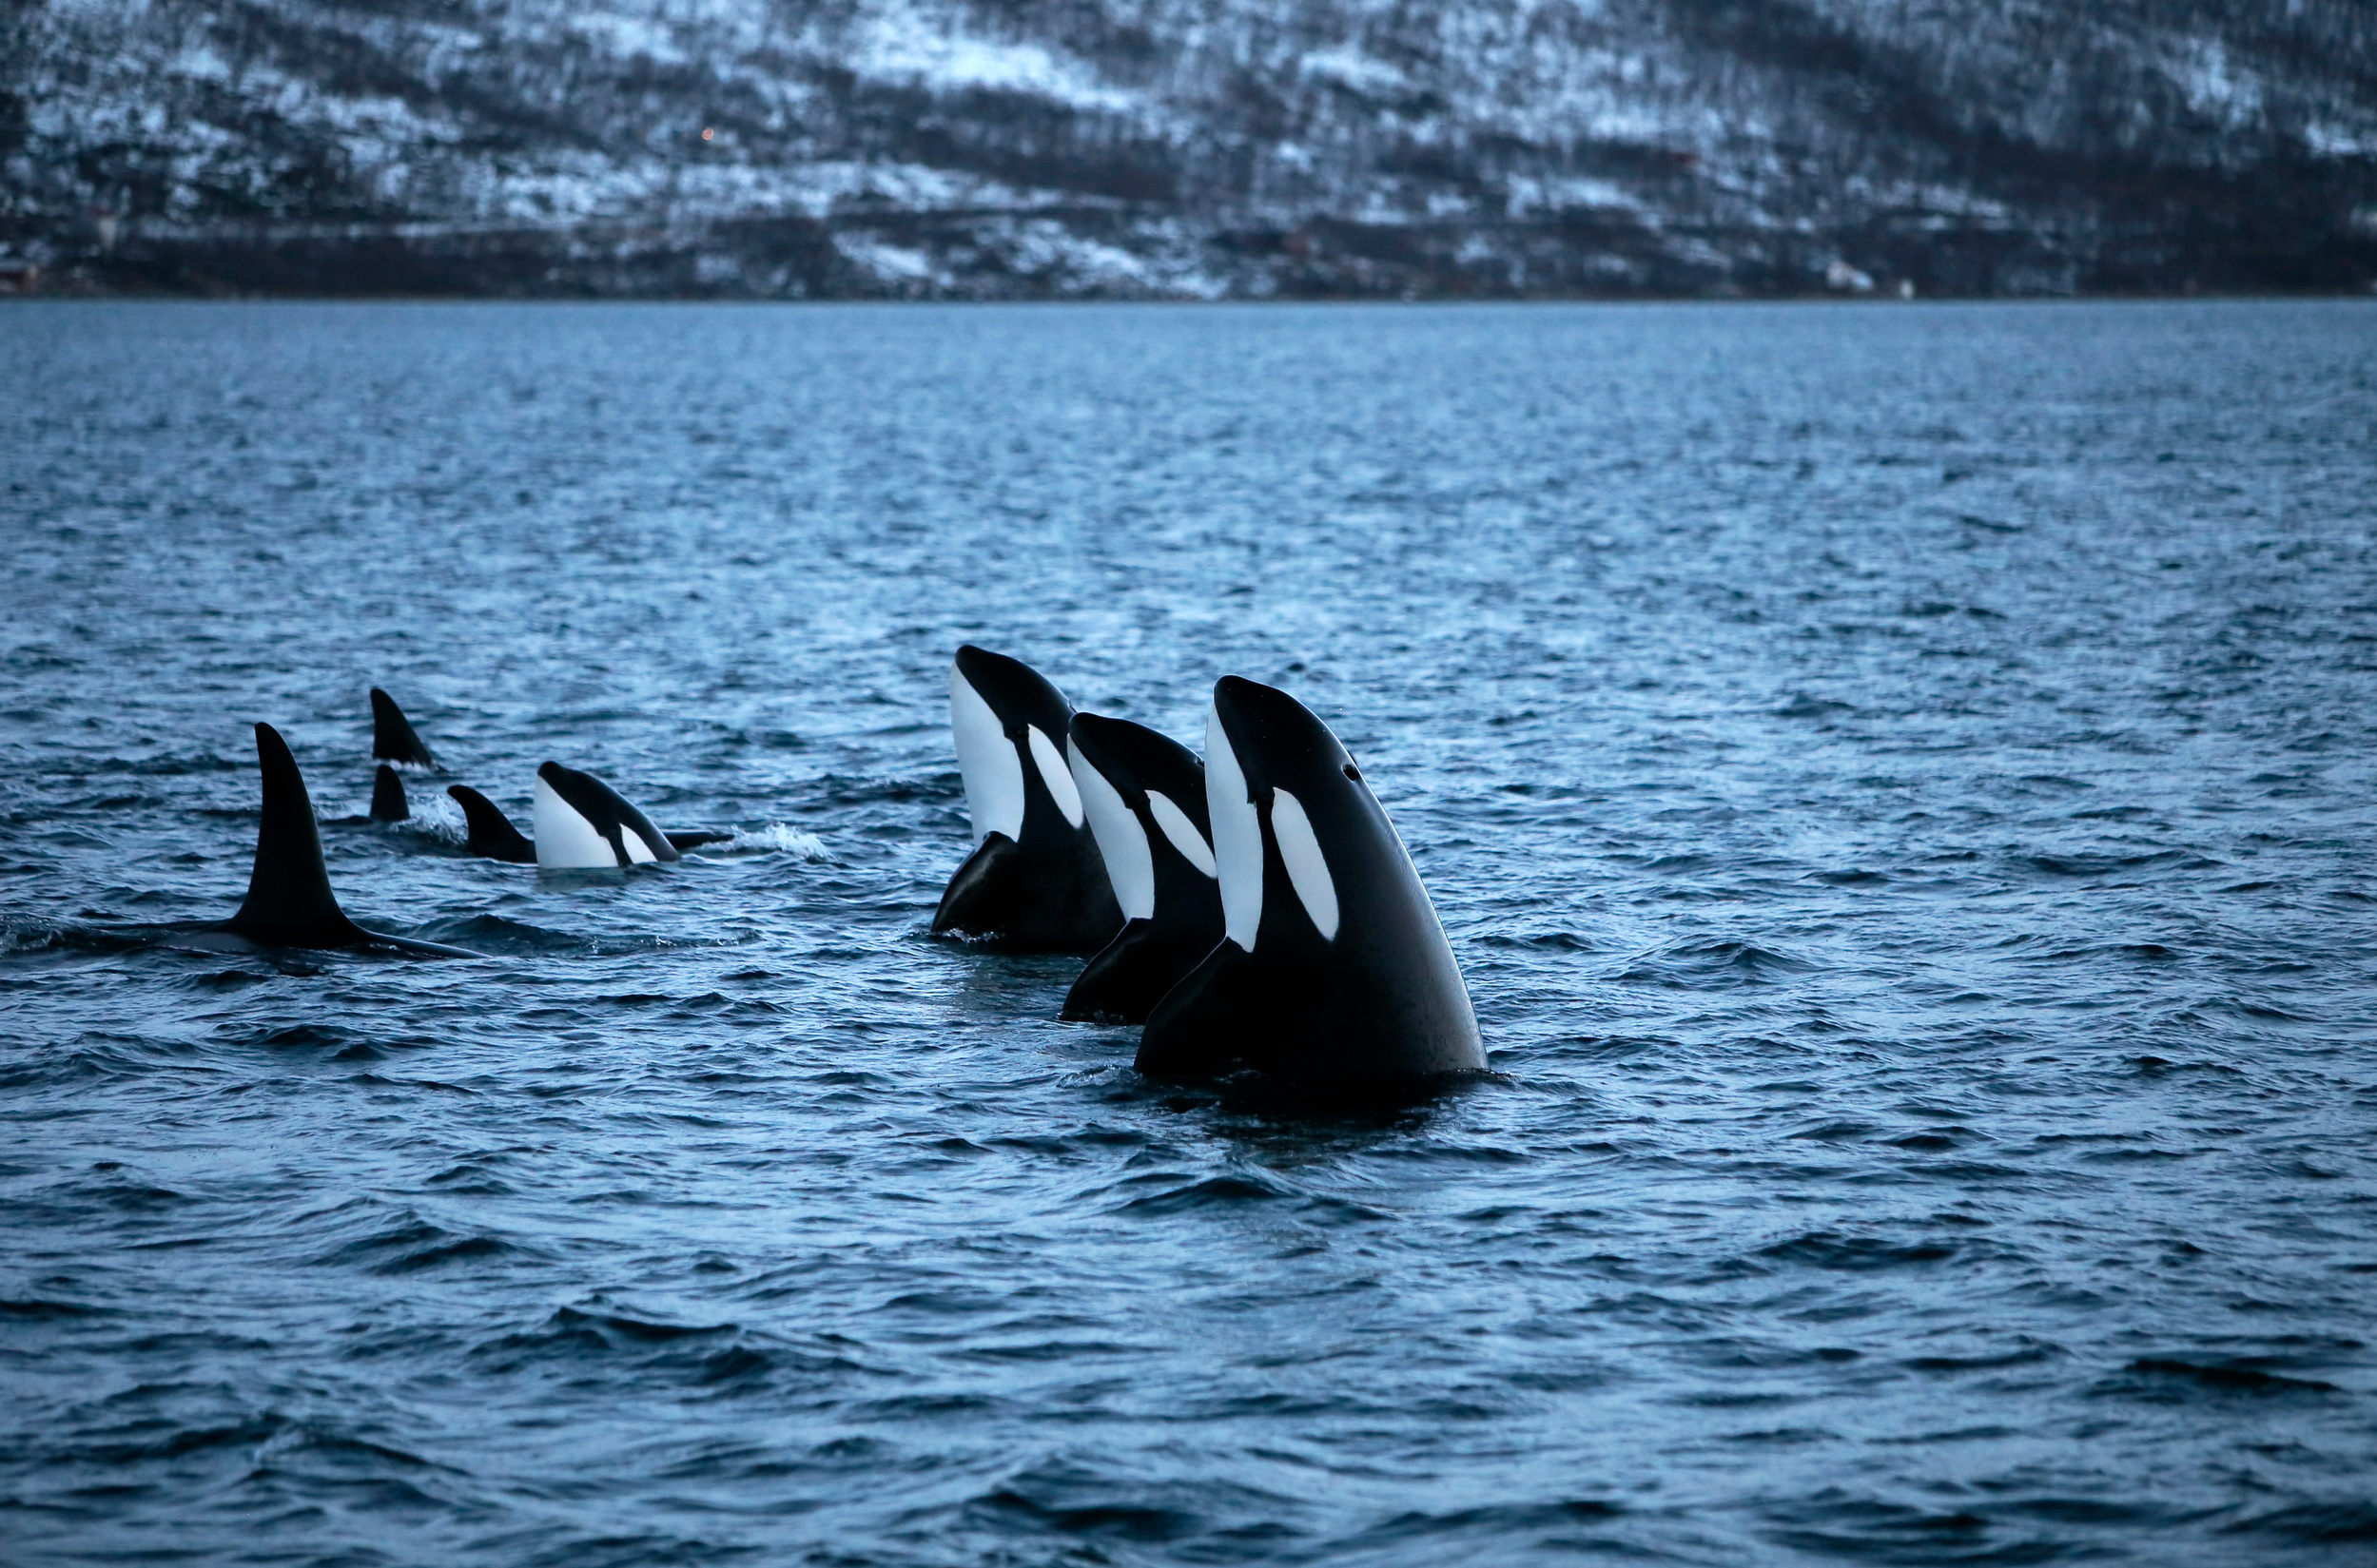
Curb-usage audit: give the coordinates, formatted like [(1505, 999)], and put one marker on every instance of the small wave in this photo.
[(842, 789), (2231, 1376), (411, 1245), (1568, 941), (500, 936), (34, 1310), (157, 767), (1111, 1520), (2029, 1355), (1704, 964), (1804, 706), (780, 838), (621, 1328), (2320, 1523), (1213, 1192), (27, 936), (1856, 1255), (1545, 1520), (438, 819)]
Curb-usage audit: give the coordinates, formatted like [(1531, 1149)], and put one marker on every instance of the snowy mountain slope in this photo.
[(1191, 147)]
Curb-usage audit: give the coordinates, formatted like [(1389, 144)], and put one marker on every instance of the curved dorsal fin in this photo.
[(289, 902), (493, 836), (392, 737), (387, 796)]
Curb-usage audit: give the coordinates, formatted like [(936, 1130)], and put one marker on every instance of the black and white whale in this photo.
[(1034, 881), (583, 824), (492, 835), (1145, 797), (391, 736), (289, 902), (1334, 972)]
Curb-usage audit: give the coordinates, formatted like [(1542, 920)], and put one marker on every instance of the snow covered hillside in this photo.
[(1195, 149)]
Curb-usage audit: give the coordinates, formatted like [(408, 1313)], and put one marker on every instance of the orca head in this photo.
[(1034, 881), (1010, 726), (583, 824), (1144, 793), (1297, 835), (289, 902), (1334, 971), (392, 737)]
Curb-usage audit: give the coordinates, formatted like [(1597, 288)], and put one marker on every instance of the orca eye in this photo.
[(1353, 774)]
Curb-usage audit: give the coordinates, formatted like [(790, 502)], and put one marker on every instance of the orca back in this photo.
[(289, 902), (392, 737), (388, 804), (492, 835)]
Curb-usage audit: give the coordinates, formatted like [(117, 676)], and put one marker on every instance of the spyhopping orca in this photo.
[(387, 796), (392, 737), (1334, 971), (1145, 796), (289, 902), (583, 824), (1034, 881), (492, 835)]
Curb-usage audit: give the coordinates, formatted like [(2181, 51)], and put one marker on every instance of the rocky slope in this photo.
[(1190, 147)]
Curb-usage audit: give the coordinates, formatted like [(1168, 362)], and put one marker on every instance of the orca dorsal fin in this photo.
[(392, 737), (289, 902), (388, 804), (493, 836)]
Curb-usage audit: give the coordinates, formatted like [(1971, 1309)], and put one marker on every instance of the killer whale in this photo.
[(1334, 972), (594, 827), (1034, 881), (492, 835), (1144, 793), (388, 804), (289, 902), (583, 824), (391, 736)]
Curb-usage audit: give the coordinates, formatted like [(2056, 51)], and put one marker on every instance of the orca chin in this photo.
[(289, 902), (391, 736), (1145, 797), (1034, 881), (1333, 973), (583, 824)]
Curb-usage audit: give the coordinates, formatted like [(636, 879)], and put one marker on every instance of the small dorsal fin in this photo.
[(289, 902), (392, 737), (493, 836), (388, 804)]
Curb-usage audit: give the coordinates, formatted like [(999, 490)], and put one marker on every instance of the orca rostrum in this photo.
[(1334, 972), (1145, 796), (388, 804), (392, 737), (1034, 881), (289, 902), (492, 835)]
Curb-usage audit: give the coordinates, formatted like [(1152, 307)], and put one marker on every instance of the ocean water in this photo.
[(1900, 782)]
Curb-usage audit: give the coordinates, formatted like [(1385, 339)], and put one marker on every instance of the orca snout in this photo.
[(1276, 740)]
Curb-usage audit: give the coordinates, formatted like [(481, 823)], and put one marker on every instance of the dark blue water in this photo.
[(1900, 782)]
